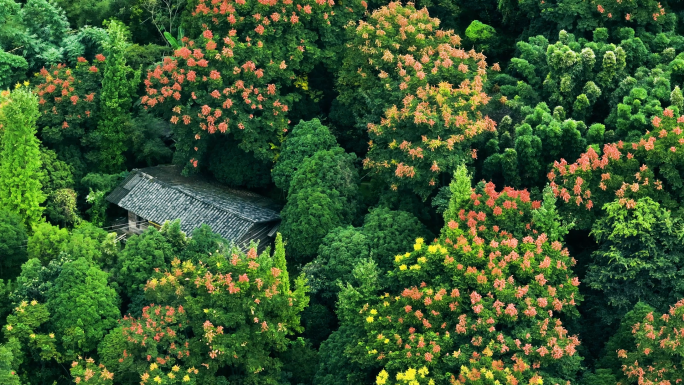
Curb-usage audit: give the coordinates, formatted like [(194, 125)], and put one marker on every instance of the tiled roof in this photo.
[(160, 193)]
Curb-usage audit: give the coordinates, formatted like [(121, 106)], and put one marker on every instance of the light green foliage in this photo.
[(177, 239), (46, 242), (49, 242), (459, 191), (20, 164), (481, 34), (119, 85), (8, 376), (83, 307), (306, 139), (640, 258), (12, 244), (93, 244)]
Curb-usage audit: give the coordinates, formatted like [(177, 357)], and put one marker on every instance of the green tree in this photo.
[(609, 361), (137, 262), (20, 165), (83, 307), (12, 69), (7, 374), (119, 86), (543, 137), (307, 217), (12, 244), (340, 250), (550, 16), (334, 367), (323, 196), (306, 139), (640, 258), (36, 280), (58, 184), (330, 170), (93, 244)]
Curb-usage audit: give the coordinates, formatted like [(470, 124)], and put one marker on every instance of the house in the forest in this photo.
[(155, 195)]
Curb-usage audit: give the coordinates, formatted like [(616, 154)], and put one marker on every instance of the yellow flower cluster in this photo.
[(419, 244), (382, 378)]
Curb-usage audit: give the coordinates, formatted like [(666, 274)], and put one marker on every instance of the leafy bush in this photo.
[(640, 258)]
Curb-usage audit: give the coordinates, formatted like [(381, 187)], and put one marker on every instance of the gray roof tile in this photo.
[(160, 193)]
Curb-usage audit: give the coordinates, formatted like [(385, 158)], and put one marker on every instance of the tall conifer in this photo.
[(118, 92), (20, 164)]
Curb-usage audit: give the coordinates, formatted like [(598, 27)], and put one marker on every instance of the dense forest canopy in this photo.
[(472, 192)]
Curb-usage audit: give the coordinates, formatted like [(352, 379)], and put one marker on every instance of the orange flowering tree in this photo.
[(482, 304), (417, 91), (224, 313), (237, 76), (657, 355), (69, 104), (624, 171)]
